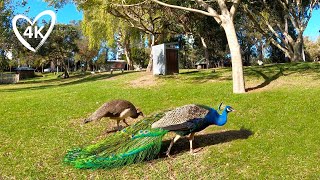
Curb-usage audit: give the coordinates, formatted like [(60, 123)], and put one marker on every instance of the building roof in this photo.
[(24, 68)]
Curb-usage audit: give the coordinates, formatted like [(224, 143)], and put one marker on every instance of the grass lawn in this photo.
[(274, 133)]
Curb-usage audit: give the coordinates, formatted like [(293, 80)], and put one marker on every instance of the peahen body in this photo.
[(142, 141), (116, 109)]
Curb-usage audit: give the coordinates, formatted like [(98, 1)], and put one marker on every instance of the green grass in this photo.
[(274, 133)]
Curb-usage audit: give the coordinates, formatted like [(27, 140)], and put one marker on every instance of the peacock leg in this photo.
[(124, 120), (191, 138), (175, 139)]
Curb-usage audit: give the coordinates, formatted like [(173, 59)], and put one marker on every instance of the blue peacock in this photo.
[(142, 140)]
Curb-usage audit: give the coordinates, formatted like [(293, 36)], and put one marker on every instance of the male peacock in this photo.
[(142, 141), (189, 119), (116, 109)]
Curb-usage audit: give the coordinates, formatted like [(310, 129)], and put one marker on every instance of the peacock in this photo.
[(142, 140), (116, 109)]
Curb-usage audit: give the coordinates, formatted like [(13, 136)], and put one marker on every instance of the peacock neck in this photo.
[(222, 119), (213, 117)]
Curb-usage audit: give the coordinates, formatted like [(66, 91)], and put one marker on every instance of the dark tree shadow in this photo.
[(267, 80), (190, 72), (201, 141)]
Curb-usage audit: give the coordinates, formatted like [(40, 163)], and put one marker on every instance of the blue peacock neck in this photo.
[(214, 117)]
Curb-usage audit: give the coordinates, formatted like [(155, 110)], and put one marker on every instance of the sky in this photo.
[(64, 15), (69, 12)]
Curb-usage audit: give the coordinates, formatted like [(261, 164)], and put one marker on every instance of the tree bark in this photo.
[(237, 68), (297, 49), (150, 64), (286, 31), (128, 54), (206, 53), (261, 50)]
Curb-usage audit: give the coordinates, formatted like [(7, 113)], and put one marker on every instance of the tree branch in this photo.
[(234, 8), (184, 8)]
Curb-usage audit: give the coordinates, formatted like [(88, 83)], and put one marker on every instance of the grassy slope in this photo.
[(41, 119)]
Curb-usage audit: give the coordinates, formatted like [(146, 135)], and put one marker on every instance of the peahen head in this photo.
[(139, 112)]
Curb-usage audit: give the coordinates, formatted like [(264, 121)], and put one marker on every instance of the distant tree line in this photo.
[(218, 33)]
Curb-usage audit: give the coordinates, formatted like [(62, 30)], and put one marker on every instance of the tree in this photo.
[(61, 46), (120, 19), (282, 22), (313, 48), (148, 17), (85, 54), (212, 42), (6, 13), (226, 20)]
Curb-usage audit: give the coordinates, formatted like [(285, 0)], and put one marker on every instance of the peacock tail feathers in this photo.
[(133, 144)]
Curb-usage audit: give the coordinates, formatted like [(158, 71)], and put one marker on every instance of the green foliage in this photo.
[(313, 48), (139, 56), (6, 13)]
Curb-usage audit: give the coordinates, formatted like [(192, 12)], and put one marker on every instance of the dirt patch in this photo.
[(145, 81)]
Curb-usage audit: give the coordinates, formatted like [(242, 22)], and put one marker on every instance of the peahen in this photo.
[(116, 109), (142, 141)]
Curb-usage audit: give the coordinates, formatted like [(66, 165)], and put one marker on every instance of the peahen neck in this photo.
[(215, 118)]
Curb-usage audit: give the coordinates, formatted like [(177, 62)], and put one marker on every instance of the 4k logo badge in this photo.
[(35, 32)]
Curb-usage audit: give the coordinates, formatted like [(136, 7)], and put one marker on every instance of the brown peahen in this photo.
[(142, 141), (115, 109)]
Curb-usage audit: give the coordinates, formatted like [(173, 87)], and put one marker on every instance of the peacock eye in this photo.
[(229, 109)]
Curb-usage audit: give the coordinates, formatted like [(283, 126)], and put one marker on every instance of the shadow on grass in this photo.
[(267, 79), (190, 72), (37, 80), (89, 78), (204, 140)]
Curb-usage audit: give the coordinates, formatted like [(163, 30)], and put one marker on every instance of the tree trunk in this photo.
[(297, 49), (237, 69), (206, 53), (128, 54), (150, 64), (261, 50), (286, 31)]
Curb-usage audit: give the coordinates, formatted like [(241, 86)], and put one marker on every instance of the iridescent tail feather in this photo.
[(133, 144)]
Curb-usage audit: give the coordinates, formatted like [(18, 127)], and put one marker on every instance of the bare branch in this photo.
[(234, 8), (210, 10), (184, 8), (129, 5)]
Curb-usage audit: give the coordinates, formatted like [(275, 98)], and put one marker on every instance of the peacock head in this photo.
[(229, 109)]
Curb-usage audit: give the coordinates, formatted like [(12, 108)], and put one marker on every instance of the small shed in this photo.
[(165, 59), (116, 64), (25, 72)]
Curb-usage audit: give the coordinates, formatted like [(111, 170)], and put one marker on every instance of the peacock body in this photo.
[(142, 141)]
